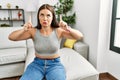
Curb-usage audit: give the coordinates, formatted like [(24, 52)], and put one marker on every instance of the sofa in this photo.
[(15, 56)]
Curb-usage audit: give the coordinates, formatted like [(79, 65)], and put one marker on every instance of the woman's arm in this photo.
[(73, 33), (24, 33), (69, 32), (19, 35)]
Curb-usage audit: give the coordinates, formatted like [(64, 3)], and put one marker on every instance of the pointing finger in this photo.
[(30, 19), (61, 18)]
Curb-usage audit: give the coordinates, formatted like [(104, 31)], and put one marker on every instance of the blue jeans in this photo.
[(48, 69)]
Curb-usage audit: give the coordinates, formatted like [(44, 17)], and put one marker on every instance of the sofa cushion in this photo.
[(11, 70), (69, 43), (5, 42), (76, 66), (12, 55)]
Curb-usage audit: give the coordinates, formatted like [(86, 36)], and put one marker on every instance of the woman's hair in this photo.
[(54, 23)]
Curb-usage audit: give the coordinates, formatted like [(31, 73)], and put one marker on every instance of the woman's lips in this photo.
[(44, 22)]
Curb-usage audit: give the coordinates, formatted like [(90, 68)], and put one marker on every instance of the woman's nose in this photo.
[(45, 18)]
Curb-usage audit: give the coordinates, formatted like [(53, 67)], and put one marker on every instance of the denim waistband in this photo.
[(47, 59)]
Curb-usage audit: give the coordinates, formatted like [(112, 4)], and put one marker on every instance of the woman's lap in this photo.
[(56, 74), (32, 73), (50, 69)]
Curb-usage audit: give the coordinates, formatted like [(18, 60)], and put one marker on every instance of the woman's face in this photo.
[(45, 17)]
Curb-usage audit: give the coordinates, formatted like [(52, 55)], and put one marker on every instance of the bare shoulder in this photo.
[(59, 32)]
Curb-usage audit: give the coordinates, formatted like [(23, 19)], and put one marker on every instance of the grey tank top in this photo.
[(46, 45)]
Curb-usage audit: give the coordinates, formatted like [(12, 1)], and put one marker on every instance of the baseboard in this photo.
[(107, 76), (11, 78)]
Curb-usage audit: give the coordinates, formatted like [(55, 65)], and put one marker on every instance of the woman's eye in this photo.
[(48, 15), (41, 15)]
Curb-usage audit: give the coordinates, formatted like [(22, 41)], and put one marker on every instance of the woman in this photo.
[(46, 37)]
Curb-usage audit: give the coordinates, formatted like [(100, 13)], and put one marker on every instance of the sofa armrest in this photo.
[(30, 53), (81, 48)]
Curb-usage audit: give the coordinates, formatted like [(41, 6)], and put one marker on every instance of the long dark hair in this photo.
[(54, 23)]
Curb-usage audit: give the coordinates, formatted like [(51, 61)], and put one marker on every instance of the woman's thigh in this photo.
[(33, 72), (56, 72)]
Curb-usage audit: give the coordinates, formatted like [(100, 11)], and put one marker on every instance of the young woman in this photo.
[(46, 37)]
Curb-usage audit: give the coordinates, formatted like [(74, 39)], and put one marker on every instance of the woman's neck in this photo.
[(46, 31)]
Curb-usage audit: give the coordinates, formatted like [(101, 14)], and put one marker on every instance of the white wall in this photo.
[(88, 22), (107, 60), (51, 2), (103, 35)]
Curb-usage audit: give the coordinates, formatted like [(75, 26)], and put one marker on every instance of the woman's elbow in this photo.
[(11, 38), (80, 37)]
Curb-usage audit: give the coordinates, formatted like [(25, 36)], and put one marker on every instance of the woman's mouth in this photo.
[(44, 22)]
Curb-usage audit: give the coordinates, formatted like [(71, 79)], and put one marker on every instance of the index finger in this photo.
[(30, 19), (61, 18)]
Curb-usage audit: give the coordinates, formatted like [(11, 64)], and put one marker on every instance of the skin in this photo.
[(45, 17)]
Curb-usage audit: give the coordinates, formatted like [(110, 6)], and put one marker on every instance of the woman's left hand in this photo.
[(63, 24)]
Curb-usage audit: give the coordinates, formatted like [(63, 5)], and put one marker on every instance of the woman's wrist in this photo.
[(69, 29)]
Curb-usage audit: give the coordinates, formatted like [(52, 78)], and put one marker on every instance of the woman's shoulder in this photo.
[(59, 32), (32, 31)]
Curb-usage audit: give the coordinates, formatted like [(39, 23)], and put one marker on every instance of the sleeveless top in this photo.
[(46, 45)]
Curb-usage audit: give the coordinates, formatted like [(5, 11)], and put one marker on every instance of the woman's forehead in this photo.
[(45, 11)]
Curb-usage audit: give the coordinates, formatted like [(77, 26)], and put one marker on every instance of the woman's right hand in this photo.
[(27, 26), (22, 34)]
